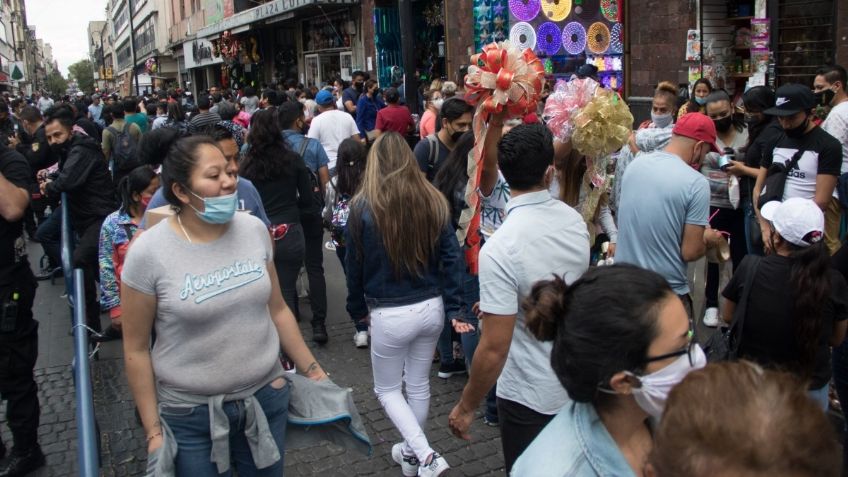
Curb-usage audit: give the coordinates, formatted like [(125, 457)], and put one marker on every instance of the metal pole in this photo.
[(407, 41), (132, 50)]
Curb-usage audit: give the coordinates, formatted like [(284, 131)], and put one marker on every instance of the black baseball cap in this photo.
[(791, 99)]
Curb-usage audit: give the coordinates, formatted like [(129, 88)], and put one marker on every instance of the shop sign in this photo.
[(198, 53), (265, 11)]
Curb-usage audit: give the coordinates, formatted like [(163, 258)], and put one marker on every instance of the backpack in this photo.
[(124, 156), (317, 196), (338, 223), (432, 155)]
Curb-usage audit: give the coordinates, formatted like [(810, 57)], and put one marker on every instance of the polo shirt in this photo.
[(395, 118)]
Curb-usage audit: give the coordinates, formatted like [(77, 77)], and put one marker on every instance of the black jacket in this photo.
[(36, 150), (84, 176)]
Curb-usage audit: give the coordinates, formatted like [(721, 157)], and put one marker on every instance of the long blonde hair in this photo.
[(410, 214)]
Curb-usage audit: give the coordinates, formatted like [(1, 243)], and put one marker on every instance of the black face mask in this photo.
[(825, 97), (61, 149), (752, 121), (799, 130), (358, 86), (723, 125), (456, 135)]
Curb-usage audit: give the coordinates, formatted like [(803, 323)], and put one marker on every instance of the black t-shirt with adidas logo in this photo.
[(822, 155)]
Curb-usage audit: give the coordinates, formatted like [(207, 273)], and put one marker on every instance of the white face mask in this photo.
[(438, 103), (661, 120), (651, 397)]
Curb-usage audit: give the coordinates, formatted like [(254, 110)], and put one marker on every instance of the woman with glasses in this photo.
[(796, 307), (725, 214), (283, 183), (621, 340)]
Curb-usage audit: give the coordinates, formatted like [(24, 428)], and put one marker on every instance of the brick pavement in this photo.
[(122, 439)]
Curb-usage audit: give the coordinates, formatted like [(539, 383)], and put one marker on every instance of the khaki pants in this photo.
[(832, 219)]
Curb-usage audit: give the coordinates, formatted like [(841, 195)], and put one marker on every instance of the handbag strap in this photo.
[(795, 158), (742, 308)]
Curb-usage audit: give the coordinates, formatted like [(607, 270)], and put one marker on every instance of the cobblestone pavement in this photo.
[(122, 439)]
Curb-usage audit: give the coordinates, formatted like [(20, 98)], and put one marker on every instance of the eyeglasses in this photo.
[(688, 349)]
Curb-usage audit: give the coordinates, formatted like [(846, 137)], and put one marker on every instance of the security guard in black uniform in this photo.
[(18, 329)]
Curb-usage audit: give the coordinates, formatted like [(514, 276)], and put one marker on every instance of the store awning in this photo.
[(265, 12)]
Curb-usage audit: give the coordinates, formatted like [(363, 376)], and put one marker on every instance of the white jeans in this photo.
[(403, 340)]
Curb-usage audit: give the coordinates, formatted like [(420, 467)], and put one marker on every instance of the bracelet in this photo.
[(154, 436)]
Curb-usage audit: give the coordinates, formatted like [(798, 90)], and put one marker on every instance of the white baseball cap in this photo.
[(799, 221)]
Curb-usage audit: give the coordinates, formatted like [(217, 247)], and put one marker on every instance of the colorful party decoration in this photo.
[(609, 9), (523, 36), (549, 38), (603, 125), (616, 41), (574, 38), (598, 38), (564, 103), (501, 78), (556, 10), (525, 10)]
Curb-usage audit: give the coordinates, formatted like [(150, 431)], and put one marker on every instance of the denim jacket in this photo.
[(372, 283), (575, 444)]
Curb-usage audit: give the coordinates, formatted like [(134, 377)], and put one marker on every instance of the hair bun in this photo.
[(667, 87), (544, 308)]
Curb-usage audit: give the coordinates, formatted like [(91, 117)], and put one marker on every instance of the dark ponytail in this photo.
[(810, 280), (600, 325), (134, 183)]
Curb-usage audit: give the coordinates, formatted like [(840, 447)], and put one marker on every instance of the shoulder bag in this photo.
[(775, 181), (724, 344)]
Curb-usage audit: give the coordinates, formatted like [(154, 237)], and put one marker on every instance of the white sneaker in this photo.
[(360, 339), (408, 464), (711, 317), (329, 245), (437, 466)]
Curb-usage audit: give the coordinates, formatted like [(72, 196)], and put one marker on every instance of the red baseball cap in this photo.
[(699, 127)]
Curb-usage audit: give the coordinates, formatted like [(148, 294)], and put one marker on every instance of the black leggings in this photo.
[(733, 222), (288, 257), (519, 426)]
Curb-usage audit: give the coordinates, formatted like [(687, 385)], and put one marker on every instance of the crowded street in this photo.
[(428, 238)]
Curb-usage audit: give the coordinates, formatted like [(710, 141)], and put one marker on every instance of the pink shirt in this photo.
[(428, 124)]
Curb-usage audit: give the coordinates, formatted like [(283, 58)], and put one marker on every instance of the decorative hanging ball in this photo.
[(556, 10), (523, 36), (616, 44), (525, 10), (549, 38), (598, 38), (574, 38), (609, 9)]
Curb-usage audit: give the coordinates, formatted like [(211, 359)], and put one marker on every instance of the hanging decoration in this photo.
[(609, 9), (491, 21), (598, 38), (151, 66), (556, 10), (616, 40), (549, 38), (574, 38), (228, 45), (433, 15), (502, 77), (523, 36), (525, 10)]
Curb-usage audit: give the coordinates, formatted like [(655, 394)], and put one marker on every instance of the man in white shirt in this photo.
[(331, 127), (44, 103), (829, 88), (539, 238)]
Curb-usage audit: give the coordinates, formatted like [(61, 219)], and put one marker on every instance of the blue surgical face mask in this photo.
[(661, 120), (217, 210), (700, 101)]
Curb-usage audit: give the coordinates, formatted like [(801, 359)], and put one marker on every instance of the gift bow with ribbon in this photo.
[(501, 77)]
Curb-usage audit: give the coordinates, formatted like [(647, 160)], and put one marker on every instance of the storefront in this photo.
[(563, 34), (312, 41), (748, 43), (201, 64), (428, 18)]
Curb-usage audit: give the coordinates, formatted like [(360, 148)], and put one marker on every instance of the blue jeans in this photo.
[(341, 252), (49, 234), (470, 340), (194, 444)]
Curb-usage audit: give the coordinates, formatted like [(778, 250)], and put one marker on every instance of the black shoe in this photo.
[(2, 451), (19, 465), (110, 334), (49, 273), (319, 333), (451, 369)]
